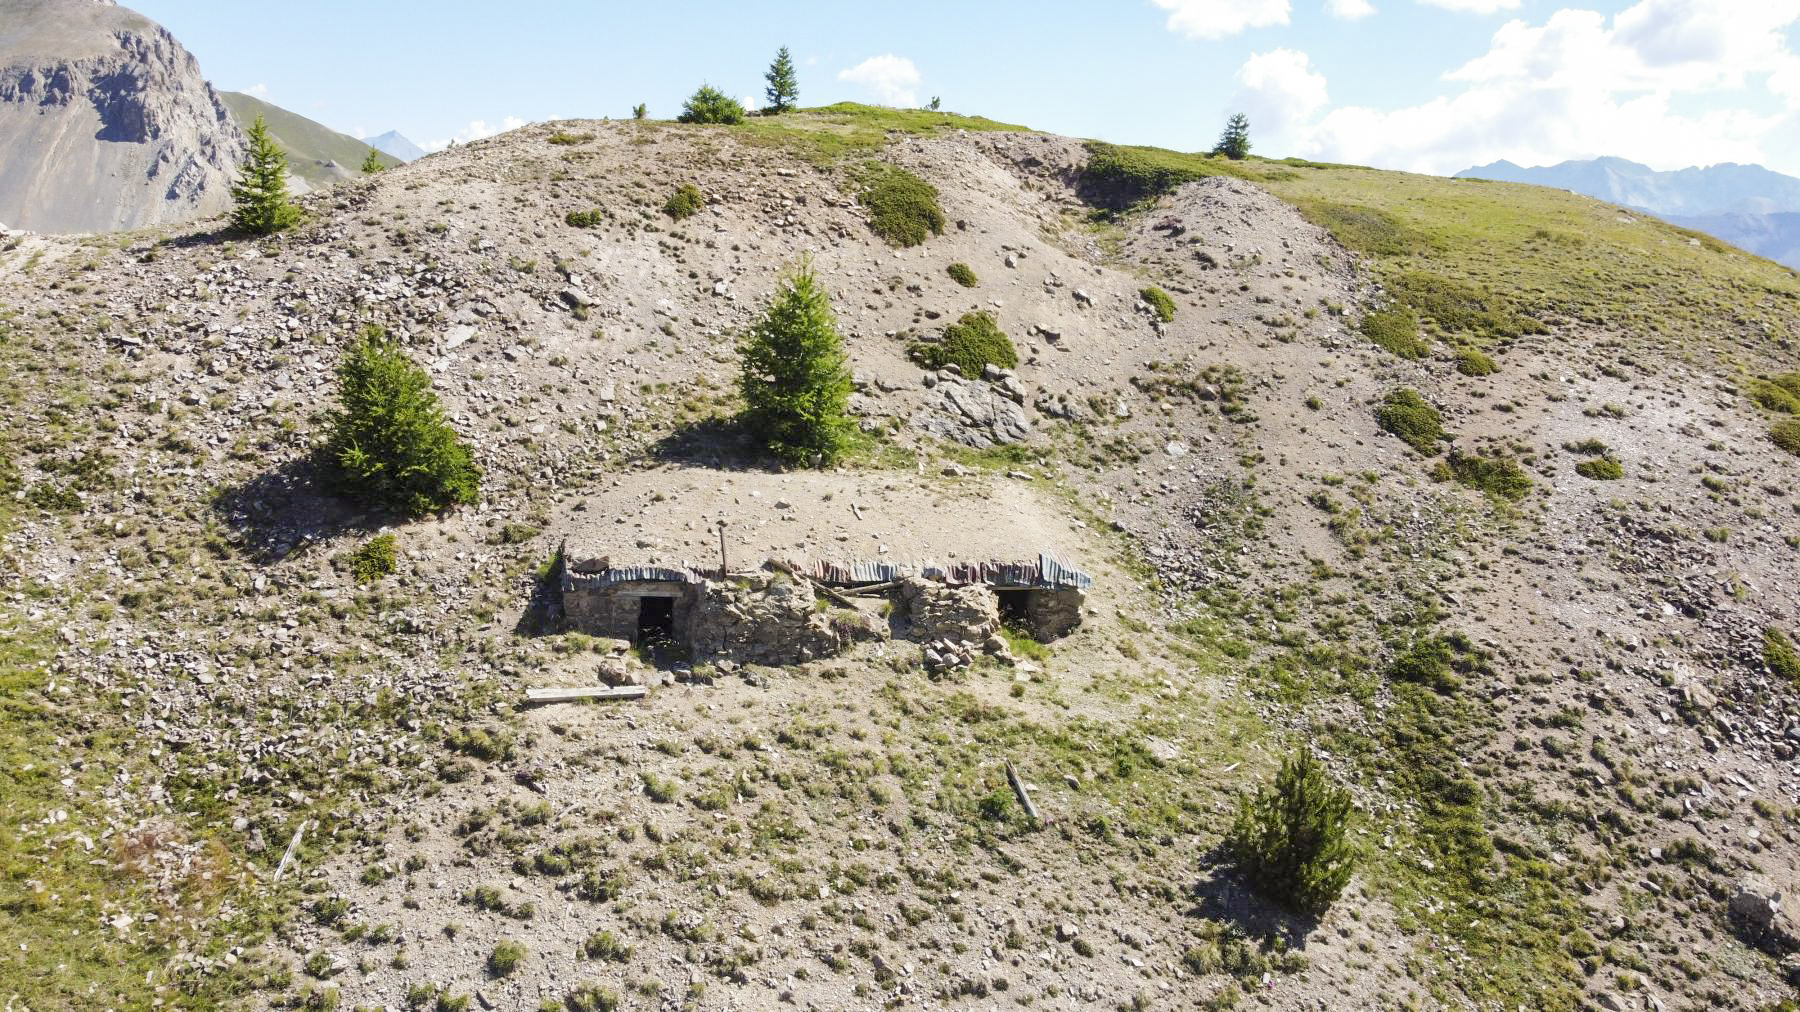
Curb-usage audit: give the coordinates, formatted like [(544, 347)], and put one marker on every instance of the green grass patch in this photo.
[(1780, 656), (1364, 229), (1396, 329), (567, 139), (963, 275), (970, 344), (1159, 300), (831, 133), (505, 958), (1409, 416), (1474, 362), (592, 218), (1600, 469), (903, 209), (1497, 476), (1778, 393), (685, 202), (1786, 434), (374, 559), (1118, 177)]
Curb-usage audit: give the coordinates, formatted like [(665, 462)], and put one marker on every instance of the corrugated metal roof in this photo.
[(1048, 571)]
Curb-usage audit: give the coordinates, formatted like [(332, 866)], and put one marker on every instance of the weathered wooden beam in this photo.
[(873, 588), (292, 847), (560, 695), (1018, 786)]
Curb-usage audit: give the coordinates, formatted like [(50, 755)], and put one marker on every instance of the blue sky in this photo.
[(1426, 85)]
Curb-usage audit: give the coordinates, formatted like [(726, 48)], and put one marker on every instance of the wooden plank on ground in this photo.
[(561, 695), (1018, 786)]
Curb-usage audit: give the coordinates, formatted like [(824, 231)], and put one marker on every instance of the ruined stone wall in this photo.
[(611, 610), (1053, 613), (937, 612), (767, 618)]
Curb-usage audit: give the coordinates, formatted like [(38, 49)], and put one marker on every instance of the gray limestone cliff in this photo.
[(105, 122)]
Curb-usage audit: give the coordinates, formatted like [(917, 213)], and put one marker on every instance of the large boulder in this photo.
[(1761, 920)]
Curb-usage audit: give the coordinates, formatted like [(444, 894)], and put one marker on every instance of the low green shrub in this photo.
[(685, 202), (710, 105), (1397, 331), (963, 275), (505, 958), (970, 344), (1472, 362), (1159, 300), (606, 945), (1121, 176), (903, 209), (590, 998), (1780, 656), (586, 219), (1409, 416), (1786, 434), (1498, 476), (374, 559), (1439, 663), (566, 138), (1600, 469), (1290, 841)]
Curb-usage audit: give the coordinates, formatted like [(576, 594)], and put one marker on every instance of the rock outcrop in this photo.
[(105, 122)]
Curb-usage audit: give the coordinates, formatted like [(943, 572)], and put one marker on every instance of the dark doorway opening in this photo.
[(656, 622), (1015, 609)]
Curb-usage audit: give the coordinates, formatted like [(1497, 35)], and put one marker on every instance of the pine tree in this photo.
[(261, 195), (1289, 841), (372, 163), (1234, 143), (640, 111), (795, 382), (390, 442), (783, 88)]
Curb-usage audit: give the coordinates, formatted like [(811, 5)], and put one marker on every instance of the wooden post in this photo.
[(724, 569), (1018, 787), (292, 847)]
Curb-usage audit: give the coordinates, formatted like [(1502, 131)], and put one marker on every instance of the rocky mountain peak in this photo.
[(107, 121)]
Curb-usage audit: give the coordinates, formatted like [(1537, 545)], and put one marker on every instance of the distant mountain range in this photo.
[(1746, 205), (394, 143), (316, 153)]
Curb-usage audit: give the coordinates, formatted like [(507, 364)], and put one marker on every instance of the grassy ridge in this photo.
[(308, 144), (828, 133), (1484, 262)]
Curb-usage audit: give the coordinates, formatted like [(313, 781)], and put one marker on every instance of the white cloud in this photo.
[(891, 79), (1349, 10), (258, 90), (476, 130), (1666, 82), (1216, 19), (1474, 6), (1280, 92)]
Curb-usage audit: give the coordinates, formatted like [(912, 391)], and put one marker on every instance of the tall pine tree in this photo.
[(795, 382), (261, 194), (1234, 143), (390, 442), (783, 88), (1289, 841)]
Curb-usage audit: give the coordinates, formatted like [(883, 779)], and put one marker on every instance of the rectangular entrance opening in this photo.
[(656, 622), (1015, 609)]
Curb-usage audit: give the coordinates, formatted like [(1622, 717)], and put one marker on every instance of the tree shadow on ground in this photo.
[(288, 509), (1221, 894), (206, 238), (719, 443)]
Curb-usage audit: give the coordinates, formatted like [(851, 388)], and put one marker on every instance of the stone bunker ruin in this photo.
[(786, 613)]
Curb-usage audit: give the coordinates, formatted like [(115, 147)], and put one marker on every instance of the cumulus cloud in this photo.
[(891, 79), (476, 130), (1349, 10), (1474, 6), (258, 90), (1665, 82), (1216, 19), (1280, 91)]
